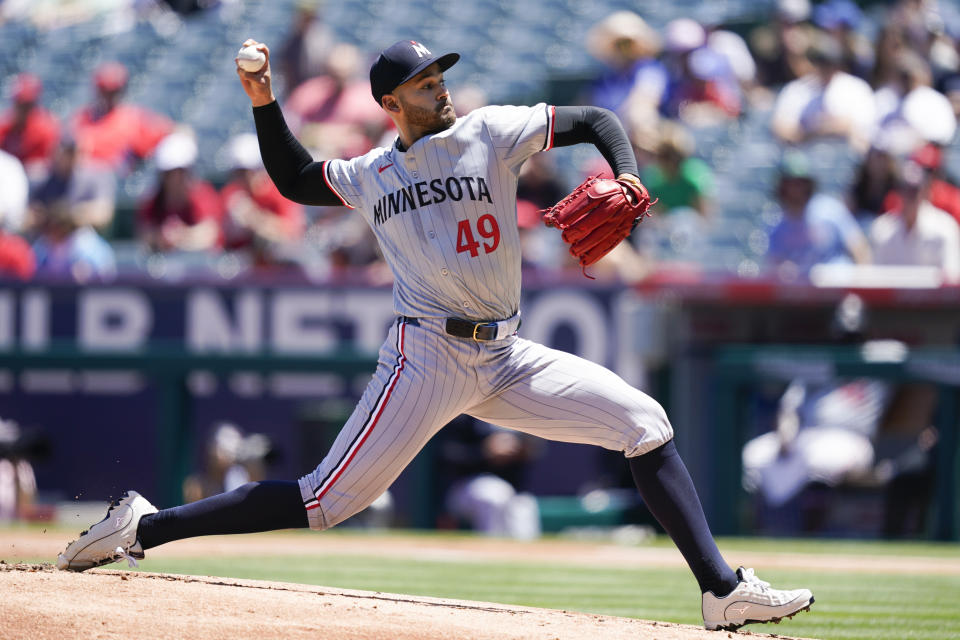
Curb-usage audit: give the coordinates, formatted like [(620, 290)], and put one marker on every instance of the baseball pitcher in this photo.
[(441, 201)]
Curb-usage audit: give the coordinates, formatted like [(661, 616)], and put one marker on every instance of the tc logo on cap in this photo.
[(420, 49)]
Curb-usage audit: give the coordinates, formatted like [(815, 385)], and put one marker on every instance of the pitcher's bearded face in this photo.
[(425, 101)]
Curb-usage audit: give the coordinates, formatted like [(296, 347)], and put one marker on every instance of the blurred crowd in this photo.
[(882, 81), (60, 186), (892, 101)]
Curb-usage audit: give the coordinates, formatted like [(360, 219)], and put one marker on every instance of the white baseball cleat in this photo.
[(752, 601), (110, 540)]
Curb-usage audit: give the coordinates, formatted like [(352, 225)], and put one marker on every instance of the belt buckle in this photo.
[(479, 325)]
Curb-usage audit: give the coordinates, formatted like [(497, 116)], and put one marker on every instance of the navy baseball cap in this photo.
[(401, 61)]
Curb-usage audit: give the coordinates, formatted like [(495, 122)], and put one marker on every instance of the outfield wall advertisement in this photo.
[(110, 417)]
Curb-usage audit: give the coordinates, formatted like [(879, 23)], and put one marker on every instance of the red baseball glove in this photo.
[(598, 215)]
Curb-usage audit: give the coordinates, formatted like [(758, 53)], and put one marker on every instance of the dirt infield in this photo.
[(39, 602), (42, 603)]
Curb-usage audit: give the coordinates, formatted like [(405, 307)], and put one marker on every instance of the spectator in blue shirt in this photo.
[(86, 188), (815, 228), (632, 78), (70, 250)]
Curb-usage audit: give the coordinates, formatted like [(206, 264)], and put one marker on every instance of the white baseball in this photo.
[(251, 59)]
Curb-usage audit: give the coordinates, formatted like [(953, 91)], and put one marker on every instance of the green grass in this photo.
[(849, 605)]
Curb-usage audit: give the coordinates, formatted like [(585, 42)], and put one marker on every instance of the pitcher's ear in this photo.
[(390, 103)]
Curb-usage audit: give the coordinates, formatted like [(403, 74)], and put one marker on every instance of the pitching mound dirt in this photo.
[(42, 603)]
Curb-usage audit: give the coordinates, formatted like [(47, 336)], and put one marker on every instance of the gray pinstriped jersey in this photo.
[(445, 215), (445, 211)]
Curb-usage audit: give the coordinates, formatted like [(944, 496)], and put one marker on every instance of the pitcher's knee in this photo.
[(658, 423), (664, 423), (654, 427)]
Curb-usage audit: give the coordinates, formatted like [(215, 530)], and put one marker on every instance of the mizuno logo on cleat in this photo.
[(740, 610)]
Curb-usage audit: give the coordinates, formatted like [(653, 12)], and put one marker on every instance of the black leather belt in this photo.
[(480, 331), (474, 330)]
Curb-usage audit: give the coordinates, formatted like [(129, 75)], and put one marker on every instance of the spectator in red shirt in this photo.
[(943, 194), (185, 212), (257, 218), (27, 130), (16, 256), (114, 133)]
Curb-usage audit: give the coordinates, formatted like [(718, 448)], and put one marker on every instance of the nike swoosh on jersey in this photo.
[(384, 168)]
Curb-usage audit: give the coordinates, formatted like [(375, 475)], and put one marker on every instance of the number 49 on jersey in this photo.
[(487, 228)]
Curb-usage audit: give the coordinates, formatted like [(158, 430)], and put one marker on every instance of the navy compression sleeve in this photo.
[(600, 127), (255, 506), (667, 490), (291, 167)]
